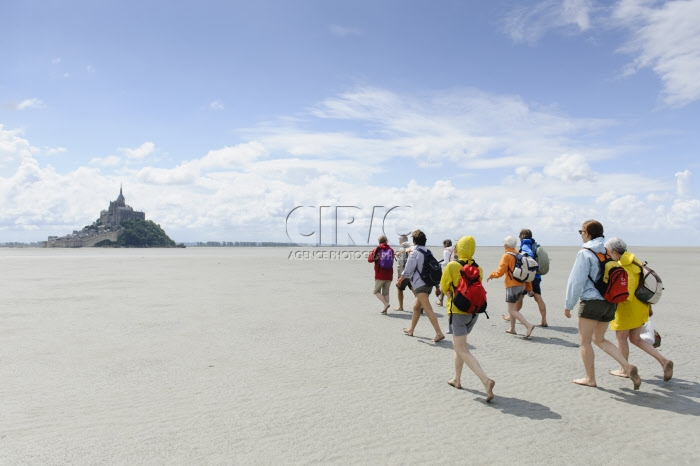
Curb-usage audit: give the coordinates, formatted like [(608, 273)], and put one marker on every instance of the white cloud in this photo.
[(56, 61), (31, 103), (216, 105), (54, 150), (666, 38), (90, 69), (684, 183), (344, 31), (546, 178), (144, 150), (529, 23), (109, 161), (570, 168)]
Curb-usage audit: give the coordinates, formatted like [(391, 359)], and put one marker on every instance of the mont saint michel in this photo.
[(118, 225)]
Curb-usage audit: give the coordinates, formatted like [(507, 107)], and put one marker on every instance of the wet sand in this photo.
[(236, 355)]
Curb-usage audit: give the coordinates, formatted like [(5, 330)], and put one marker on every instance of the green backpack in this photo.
[(542, 259)]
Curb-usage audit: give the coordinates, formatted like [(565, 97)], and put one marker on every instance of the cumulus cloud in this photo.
[(216, 105), (665, 37), (546, 178), (684, 183), (570, 168), (529, 23), (143, 151), (54, 150)]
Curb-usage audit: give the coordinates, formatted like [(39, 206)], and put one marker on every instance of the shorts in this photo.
[(513, 293), (423, 289), (406, 283), (383, 286), (597, 309), (536, 286), (462, 324)]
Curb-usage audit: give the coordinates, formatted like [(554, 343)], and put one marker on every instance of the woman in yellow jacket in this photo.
[(632, 313), (462, 323), (514, 288)]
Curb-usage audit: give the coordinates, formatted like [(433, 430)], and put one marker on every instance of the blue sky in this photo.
[(484, 117)]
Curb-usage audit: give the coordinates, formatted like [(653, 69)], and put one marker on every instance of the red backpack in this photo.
[(612, 283), (470, 295)]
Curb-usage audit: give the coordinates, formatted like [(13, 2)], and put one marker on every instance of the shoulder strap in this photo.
[(600, 264)]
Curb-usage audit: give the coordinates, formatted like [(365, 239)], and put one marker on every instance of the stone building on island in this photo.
[(107, 227)]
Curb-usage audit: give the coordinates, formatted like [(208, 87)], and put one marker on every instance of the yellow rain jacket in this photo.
[(450, 275), (631, 313)]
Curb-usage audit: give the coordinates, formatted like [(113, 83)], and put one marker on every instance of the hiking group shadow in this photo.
[(675, 395)]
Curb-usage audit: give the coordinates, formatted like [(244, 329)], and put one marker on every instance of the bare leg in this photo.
[(384, 300), (666, 364), (516, 315), (585, 337), (462, 350), (456, 380), (543, 309), (400, 293), (605, 345), (424, 302), (624, 348), (414, 318)]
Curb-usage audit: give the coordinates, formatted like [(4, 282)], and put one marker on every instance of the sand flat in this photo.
[(237, 355)]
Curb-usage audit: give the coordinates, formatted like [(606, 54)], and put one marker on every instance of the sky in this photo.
[(332, 122)]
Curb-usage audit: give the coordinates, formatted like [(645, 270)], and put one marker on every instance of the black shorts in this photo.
[(406, 283), (597, 309)]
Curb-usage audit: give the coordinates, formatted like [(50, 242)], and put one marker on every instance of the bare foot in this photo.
[(584, 381), (398, 309), (385, 309), (489, 390), (668, 371), (454, 384), (383, 312), (439, 303), (529, 332), (619, 373), (408, 332), (543, 325), (438, 338), (635, 378), (513, 332), (505, 317)]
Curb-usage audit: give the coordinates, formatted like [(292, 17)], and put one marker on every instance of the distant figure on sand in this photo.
[(383, 258), (462, 323), (446, 258), (632, 313), (594, 312), (412, 272), (401, 258), (514, 288)]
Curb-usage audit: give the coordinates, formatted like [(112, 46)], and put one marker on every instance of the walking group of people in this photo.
[(595, 313)]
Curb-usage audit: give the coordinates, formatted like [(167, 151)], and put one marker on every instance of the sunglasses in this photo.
[(580, 232)]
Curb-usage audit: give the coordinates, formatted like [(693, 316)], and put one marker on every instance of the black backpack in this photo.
[(431, 273)]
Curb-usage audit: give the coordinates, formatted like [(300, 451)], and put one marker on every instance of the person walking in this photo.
[(594, 312), (414, 266), (383, 258), (529, 246), (462, 323), (514, 288), (401, 258), (632, 313)]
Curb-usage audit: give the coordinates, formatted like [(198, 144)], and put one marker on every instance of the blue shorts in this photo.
[(536, 285)]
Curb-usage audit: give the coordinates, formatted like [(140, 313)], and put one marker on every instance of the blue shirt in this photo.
[(579, 285)]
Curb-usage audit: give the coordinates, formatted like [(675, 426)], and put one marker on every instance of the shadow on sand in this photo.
[(517, 407), (675, 395)]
